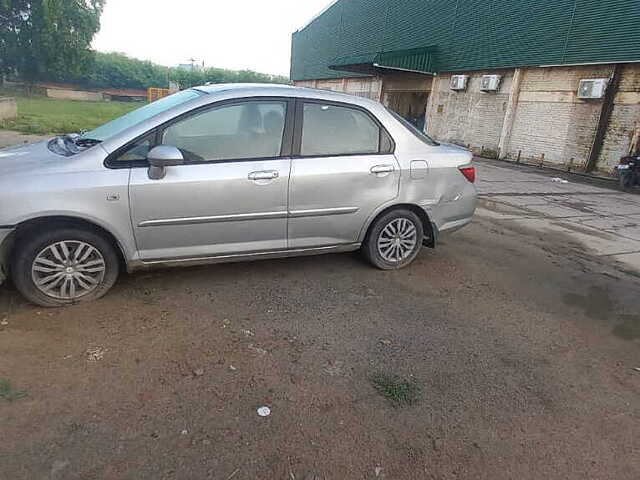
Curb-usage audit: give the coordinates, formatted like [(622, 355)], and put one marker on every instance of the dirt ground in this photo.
[(9, 138), (524, 344)]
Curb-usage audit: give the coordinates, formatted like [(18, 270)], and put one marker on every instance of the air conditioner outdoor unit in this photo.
[(490, 83), (459, 82), (593, 88)]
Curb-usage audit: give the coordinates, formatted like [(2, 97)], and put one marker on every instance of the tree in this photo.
[(190, 78), (48, 39), (116, 70)]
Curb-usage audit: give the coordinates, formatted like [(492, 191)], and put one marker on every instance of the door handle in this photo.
[(378, 169), (265, 175)]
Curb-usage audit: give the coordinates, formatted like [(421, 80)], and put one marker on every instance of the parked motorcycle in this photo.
[(629, 171)]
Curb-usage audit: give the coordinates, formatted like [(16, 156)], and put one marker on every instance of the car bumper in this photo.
[(5, 234), (451, 227), (457, 212)]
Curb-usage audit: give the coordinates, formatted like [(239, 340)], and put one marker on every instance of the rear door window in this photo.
[(331, 130)]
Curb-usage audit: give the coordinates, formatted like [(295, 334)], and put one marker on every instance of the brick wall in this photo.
[(8, 108), (625, 119), (65, 94), (549, 118), (472, 118), (551, 121), (368, 87)]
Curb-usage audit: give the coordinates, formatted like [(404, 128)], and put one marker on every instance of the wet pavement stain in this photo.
[(596, 303), (629, 329)]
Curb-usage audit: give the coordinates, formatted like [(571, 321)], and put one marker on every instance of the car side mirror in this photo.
[(160, 158)]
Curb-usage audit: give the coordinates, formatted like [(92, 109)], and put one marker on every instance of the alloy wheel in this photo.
[(397, 240), (68, 270)]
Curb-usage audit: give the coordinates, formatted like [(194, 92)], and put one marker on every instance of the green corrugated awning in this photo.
[(413, 60)]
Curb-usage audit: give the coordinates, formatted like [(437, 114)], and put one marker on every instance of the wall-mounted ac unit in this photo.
[(593, 88), (490, 83), (459, 82)]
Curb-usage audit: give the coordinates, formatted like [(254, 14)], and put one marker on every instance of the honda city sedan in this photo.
[(225, 173)]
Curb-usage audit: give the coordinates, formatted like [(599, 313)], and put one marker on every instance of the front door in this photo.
[(345, 170), (230, 196)]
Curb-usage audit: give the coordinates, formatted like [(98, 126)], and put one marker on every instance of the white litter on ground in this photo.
[(264, 411), (95, 354)]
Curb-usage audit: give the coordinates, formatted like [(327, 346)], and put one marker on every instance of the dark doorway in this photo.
[(411, 105)]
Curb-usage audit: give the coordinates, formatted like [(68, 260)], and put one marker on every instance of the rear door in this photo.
[(342, 171)]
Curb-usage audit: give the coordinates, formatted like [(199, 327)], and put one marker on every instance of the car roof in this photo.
[(279, 90)]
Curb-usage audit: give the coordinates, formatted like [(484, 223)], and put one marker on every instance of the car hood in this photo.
[(35, 158)]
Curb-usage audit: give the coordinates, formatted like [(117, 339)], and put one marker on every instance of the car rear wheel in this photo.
[(394, 240), (64, 266)]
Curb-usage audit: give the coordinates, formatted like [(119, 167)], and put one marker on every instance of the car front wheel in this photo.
[(64, 266), (394, 240)]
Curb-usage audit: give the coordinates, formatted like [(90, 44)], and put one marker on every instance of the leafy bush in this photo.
[(117, 70), (190, 78)]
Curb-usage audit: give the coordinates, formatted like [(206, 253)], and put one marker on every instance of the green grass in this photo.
[(41, 115), (8, 393), (400, 392)]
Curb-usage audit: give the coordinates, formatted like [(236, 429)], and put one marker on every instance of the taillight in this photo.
[(469, 173)]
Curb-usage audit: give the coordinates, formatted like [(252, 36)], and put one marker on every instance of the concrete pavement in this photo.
[(604, 220)]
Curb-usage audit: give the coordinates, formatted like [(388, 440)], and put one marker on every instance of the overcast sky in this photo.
[(236, 34)]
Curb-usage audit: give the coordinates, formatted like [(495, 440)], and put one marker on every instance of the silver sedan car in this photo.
[(224, 173)]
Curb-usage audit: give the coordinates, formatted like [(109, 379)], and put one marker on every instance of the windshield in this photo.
[(418, 133), (139, 115)]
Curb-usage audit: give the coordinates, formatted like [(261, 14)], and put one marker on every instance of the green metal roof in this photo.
[(414, 60), (464, 35)]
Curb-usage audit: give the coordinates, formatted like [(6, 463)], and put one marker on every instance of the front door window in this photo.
[(247, 130)]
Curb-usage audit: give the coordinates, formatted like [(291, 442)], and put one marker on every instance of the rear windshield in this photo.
[(413, 129)]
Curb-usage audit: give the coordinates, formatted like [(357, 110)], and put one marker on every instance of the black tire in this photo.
[(31, 243), (370, 245)]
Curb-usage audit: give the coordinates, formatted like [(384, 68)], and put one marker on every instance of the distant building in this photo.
[(190, 67), (554, 81)]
